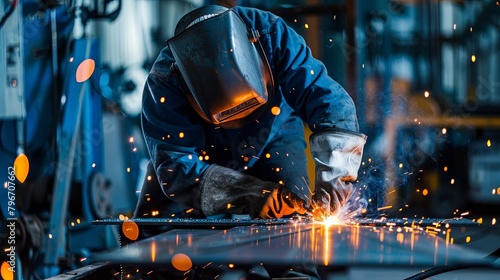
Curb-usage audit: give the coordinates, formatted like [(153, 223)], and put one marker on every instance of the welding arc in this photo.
[(442, 269)]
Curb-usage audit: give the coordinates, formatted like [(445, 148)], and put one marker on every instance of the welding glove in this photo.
[(224, 190), (337, 157)]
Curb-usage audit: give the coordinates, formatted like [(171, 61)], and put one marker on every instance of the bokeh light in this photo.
[(21, 167), (130, 230), (7, 274), (85, 70), (181, 262)]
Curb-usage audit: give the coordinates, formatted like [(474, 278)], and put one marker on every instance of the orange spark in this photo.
[(275, 110)]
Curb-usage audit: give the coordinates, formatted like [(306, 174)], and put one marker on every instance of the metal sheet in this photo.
[(192, 223), (228, 223), (297, 244)]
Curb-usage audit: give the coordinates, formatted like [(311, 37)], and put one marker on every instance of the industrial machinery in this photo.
[(51, 112)]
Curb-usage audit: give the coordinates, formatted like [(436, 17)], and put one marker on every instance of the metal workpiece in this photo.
[(295, 244)]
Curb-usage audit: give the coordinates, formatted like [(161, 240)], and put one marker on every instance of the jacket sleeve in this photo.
[(317, 98), (174, 137)]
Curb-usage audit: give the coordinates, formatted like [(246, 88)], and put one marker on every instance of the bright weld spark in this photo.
[(342, 216), (331, 220), (429, 228)]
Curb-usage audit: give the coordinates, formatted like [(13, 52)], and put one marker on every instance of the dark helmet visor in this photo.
[(224, 69)]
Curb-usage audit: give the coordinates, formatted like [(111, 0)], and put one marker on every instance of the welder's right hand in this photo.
[(224, 190), (282, 202), (337, 157)]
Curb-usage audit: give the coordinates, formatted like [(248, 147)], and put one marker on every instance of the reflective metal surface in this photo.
[(297, 244)]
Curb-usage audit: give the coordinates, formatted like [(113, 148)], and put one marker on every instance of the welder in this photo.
[(224, 109)]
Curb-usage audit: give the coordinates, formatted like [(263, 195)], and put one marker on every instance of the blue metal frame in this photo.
[(82, 116)]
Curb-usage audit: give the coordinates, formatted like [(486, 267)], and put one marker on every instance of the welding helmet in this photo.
[(222, 66)]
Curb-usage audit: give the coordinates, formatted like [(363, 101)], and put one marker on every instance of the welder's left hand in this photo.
[(223, 190), (337, 157)]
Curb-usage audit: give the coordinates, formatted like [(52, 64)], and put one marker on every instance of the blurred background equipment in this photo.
[(52, 111)]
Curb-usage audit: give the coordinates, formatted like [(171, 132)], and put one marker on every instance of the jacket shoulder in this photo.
[(163, 64), (257, 19)]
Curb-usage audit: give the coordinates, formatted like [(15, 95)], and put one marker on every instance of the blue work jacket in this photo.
[(182, 145)]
